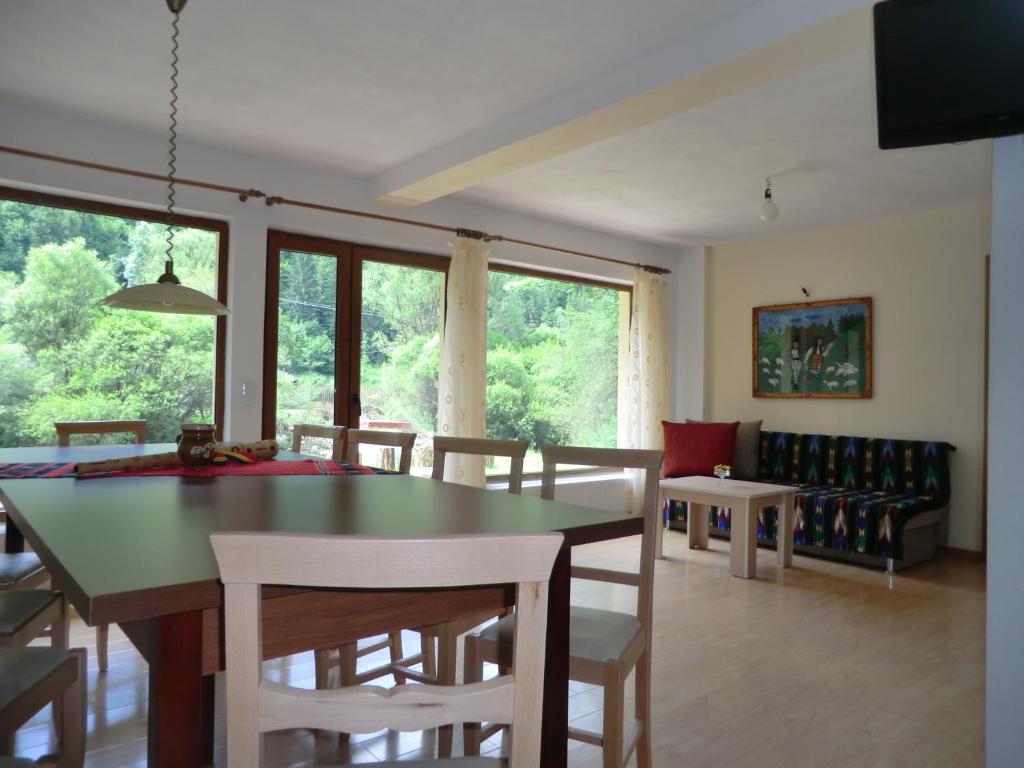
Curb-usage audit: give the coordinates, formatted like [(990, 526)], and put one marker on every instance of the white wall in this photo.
[(925, 273), (1004, 664), (31, 127)]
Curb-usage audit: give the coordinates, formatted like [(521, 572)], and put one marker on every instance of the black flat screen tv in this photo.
[(948, 70)]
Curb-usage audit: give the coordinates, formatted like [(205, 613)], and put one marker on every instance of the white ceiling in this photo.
[(357, 84), (699, 177), (363, 86)]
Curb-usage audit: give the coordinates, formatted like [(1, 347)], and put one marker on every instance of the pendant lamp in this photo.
[(769, 211), (167, 294)]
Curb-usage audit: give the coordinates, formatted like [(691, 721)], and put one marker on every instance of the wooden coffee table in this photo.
[(744, 499)]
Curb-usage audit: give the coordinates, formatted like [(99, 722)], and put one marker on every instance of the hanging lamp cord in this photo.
[(172, 140)]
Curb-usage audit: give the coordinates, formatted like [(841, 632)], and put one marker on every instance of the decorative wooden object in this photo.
[(247, 560)]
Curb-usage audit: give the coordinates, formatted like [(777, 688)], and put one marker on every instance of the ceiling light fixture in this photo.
[(769, 210), (167, 294)]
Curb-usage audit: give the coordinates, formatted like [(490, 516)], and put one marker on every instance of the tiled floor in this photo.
[(819, 665)]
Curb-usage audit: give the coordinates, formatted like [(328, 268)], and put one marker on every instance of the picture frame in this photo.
[(813, 349)]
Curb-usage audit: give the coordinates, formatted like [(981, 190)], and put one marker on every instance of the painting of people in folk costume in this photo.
[(813, 349)]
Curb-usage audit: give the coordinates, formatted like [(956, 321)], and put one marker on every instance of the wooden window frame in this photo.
[(348, 327), (355, 254), (122, 211)]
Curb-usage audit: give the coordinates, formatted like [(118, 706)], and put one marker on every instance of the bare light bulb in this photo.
[(769, 210)]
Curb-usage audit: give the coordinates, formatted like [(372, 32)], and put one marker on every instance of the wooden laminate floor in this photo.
[(818, 665)]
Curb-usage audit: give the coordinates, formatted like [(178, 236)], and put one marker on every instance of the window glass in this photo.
[(306, 321), (64, 357), (552, 363), (399, 357)]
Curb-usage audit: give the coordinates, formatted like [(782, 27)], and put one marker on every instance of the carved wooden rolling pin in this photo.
[(261, 449)]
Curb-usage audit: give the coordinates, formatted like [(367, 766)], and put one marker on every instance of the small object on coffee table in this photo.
[(722, 471)]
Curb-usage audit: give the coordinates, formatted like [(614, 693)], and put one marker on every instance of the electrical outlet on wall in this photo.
[(245, 394)]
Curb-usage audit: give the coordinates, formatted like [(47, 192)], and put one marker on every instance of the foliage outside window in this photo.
[(552, 363), (63, 357)]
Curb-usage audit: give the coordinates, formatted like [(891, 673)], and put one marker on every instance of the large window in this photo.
[(553, 355), (63, 356), (353, 338)]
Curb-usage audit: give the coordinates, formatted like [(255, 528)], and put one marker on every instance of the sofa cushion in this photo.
[(695, 449), (748, 441)]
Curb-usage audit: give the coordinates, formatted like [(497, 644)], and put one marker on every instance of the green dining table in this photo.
[(135, 551)]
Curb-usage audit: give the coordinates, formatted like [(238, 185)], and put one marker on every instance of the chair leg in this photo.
[(395, 649), (613, 717), (60, 638), (321, 667), (347, 655), (102, 631), (72, 736), (643, 710), (427, 651), (473, 672), (447, 647)]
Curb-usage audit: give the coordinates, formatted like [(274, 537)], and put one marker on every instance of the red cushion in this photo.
[(695, 448)]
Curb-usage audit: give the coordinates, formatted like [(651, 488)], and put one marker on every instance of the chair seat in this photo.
[(17, 566), (24, 669), (594, 634), (18, 607), (456, 762)]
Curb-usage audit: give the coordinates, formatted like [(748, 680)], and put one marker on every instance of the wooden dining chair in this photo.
[(336, 434), (65, 429), (604, 646), (471, 446), (30, 681), (383, 438), (249, 559), (31, 678), (348, 655), (437, 668)]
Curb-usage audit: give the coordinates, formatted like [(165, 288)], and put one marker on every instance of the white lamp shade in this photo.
[(769, 210), (165, 297)]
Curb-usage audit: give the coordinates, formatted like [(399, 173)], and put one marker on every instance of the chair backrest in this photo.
[(65, 429), (513, 449), (649, 462), (404, 441), (336, 434), (249, 559)]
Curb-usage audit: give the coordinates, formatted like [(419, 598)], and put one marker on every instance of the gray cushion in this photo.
[(20, 606), (594, 634), (748, 445), (16, 566), (22, 669)]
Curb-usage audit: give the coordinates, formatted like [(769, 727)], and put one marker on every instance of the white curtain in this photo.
[(462, 375), (646, 373)]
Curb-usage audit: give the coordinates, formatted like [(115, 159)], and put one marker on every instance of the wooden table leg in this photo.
[(784, 532), (659, 531), (743, 544), (555, 729), (697, 525), (14, 541), (176, 692)]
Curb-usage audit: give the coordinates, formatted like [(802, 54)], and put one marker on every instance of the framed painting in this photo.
[(819, 349)]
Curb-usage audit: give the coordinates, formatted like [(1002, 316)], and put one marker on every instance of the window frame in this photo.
[(348, 328), (355, 254), (122, 211)]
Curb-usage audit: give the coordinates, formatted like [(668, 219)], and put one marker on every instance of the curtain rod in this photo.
[(270, 200)]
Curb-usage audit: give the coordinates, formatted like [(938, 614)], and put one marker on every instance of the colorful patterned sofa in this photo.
[(865, 499)]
